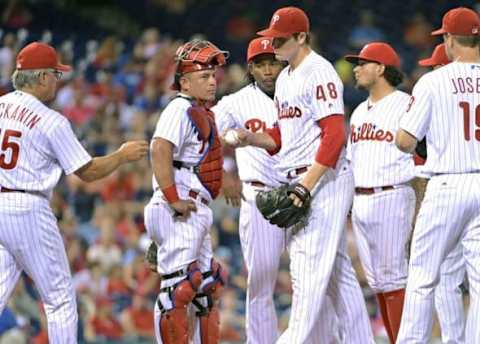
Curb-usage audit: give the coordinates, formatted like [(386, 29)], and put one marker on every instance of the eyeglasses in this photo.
[(278, 42), (57, 74)]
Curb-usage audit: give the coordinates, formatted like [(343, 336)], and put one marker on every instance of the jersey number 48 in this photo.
[(9, 149)]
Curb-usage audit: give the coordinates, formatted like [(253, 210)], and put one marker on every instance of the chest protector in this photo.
[(210, 168)]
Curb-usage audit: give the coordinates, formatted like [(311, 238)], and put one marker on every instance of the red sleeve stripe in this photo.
[(332, 140)]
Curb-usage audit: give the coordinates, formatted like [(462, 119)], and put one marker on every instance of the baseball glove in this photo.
[(277, 207), (151, 256)]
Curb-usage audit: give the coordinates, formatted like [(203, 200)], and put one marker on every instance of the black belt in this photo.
[(179, 164), (297, 171), (370, 191), (4, 189)]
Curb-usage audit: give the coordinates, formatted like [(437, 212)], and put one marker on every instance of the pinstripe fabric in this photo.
[(34, 244), (262, 246), (319, 266), (449, 213), (33, 159), (382, 223), (375, 159), (298, 96), (449, 298), (179, 244)]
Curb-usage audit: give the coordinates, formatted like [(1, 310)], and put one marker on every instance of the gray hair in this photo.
[(26, 78)]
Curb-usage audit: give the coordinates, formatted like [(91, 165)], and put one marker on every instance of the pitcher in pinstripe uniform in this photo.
[(444, 108), (309, 140), (187, 161), (37, 144), (384, 201)]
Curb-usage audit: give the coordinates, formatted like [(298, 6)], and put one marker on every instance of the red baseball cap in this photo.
[(258, 46), (377, 52), (285, 22), (439, 57), (39, 55), (460, 21)]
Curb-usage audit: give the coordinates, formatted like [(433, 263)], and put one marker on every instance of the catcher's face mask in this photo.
[(197, 55)]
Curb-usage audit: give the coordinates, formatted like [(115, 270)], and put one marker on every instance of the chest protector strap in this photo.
[(210, 168)]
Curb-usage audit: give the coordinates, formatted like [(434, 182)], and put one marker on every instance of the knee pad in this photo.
[(174, 321), (208, 312)]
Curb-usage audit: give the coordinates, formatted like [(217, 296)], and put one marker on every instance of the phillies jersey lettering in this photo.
[(36, 145), (241, 110), (175, 127), (305, 95), (369, 132), (445, 108), (375, 159)]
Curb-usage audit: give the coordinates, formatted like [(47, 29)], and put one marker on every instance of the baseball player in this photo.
[(448, 294), (309, 139), (384, 201), (187, 161), (37, 144), (442, 108), (262, 244)]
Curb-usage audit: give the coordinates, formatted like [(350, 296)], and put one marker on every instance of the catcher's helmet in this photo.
[(195, 56)]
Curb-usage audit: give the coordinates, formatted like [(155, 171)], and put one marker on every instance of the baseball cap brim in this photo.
[(273, 33), (63, 68), (427, 62), (440, 31), (355, 58)]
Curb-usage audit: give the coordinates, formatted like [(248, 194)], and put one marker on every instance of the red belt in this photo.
[(256, 184), (4, 189), (370, 191), (297, 171), (195, 195)]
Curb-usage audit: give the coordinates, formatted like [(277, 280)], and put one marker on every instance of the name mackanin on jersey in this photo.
[(20, 114)]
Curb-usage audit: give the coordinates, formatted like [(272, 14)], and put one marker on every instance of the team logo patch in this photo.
[(275, 18), (265, 43)]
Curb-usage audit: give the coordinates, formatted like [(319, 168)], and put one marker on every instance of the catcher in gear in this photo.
[(279, 209), (187, 161)]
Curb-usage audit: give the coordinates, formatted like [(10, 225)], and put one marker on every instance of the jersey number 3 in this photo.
[(466, 120), (7, 144)]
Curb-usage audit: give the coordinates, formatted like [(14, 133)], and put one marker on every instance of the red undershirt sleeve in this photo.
[(332, 140), (276, 136)]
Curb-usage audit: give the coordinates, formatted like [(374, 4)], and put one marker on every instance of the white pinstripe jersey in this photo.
[(175, 126), (252, 109), (375, 159), (445, 107), (310, 92), (36, 145)]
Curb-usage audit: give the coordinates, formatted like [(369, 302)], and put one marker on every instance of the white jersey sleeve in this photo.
[(67, 149), (418, 113), (224, 115), (326, 91), (173, 124)]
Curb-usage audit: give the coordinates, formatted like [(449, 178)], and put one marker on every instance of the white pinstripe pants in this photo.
[(321, 266), (382, 223), (180, 242), (30, 241), (262, 245), (449, 213)]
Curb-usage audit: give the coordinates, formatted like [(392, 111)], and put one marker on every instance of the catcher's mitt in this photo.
[(277, 207), (151, 256)]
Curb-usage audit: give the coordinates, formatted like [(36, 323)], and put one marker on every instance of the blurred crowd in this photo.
[(116, 93)]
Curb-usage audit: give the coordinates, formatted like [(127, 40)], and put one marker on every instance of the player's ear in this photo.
[(381, 69), (184, 81)]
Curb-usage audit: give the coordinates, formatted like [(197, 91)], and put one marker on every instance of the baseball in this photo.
[(231, 137)]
